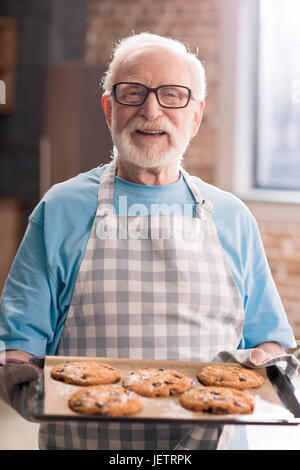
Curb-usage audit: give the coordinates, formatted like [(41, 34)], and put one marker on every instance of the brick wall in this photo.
[(196, 22), (282, 245)]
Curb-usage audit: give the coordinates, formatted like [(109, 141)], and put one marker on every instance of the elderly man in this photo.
[(138, 259)]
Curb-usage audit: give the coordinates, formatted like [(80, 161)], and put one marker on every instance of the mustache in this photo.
[(160, 124)]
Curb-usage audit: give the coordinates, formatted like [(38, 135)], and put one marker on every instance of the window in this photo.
[(259, 144), (277, 152)]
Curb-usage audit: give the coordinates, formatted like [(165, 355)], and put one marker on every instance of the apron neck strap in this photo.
[(200, 202), (192, 187)]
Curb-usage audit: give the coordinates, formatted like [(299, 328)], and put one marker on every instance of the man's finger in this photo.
[(259, 356)]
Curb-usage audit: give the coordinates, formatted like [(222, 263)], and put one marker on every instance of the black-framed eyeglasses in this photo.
[(168, 96)]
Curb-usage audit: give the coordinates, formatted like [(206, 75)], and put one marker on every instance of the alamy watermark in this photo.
[(162, 221), (2, 92)]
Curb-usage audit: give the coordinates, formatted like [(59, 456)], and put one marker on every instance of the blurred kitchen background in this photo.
[(52, 57)]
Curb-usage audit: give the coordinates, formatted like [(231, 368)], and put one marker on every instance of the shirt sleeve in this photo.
[(28, 312), (265, 317)]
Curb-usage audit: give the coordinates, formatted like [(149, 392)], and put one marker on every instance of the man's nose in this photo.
[(151, 109)]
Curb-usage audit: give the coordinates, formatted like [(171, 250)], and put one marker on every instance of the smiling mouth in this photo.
[(150, 133)]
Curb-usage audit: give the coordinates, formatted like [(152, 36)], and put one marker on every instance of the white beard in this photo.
[(150, 157)]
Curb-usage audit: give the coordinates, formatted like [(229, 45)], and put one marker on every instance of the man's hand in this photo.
[(13, 372), (265, 351)]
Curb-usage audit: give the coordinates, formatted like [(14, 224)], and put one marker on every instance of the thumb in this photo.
[(259, 356)]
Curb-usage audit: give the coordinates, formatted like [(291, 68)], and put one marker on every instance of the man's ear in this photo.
[(106, 104), (198, 113)]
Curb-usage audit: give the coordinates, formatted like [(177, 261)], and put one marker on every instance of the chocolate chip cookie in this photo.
[(217, 400), (109, 400), (157, 382), (85, 373), (229, 376)]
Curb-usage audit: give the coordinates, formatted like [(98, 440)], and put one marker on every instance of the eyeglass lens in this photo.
[(133, 94)]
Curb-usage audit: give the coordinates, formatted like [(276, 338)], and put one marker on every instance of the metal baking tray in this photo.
[(276, 402)]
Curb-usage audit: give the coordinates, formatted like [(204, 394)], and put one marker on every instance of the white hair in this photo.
[(131, 43)]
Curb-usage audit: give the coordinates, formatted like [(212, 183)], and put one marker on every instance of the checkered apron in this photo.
[(149, 287)]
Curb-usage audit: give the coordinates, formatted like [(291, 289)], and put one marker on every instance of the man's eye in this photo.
[(132, 93), (169, 93)]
